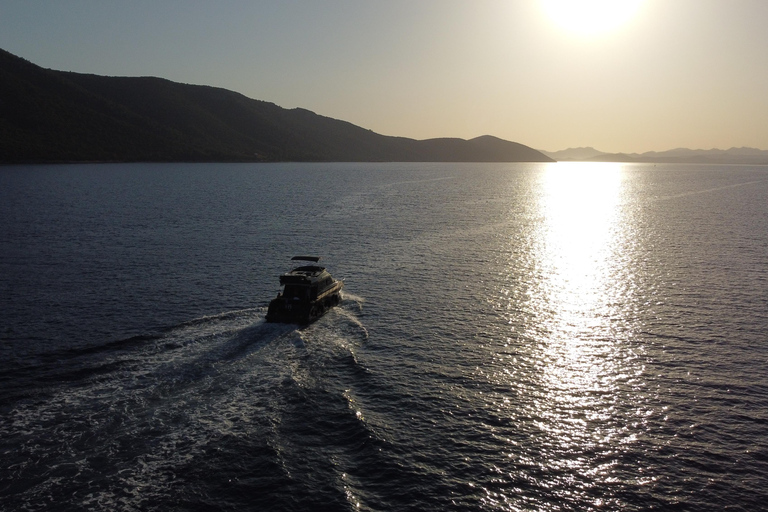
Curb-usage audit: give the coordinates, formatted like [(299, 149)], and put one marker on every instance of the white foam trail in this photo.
[(350, 296), (353, 319), (706, 191)]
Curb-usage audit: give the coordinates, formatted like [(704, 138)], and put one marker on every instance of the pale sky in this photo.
[(677, 73)]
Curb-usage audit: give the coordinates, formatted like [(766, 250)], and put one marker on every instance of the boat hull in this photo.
[(292, 311)]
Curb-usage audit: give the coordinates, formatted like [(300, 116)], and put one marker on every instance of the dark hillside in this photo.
[(54, 116)]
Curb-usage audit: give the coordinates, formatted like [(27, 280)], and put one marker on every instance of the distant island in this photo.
[(49, 116), (690, 156)]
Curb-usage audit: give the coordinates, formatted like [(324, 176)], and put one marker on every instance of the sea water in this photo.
[(550, 337)]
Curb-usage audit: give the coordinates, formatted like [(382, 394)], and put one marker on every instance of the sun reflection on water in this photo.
[(576, 241), (575, 327), (576, 299)]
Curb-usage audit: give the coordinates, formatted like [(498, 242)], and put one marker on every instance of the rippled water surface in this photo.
[(512, 337)]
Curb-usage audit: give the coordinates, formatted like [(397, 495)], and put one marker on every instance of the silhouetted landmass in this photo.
[(56, 116), (681, 155), (574, 154)]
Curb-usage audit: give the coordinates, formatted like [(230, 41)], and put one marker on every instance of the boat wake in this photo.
[(125, 425)]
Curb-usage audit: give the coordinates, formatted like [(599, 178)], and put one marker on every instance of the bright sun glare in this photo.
[(591, 17)]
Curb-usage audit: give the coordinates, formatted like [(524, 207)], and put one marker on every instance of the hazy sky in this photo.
[(678, 73)]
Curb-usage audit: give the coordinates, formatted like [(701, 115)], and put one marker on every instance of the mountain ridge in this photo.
[(62, 116), (734, 155)]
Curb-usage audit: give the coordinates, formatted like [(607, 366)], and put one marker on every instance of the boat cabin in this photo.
[(306, 282), (309, 291)]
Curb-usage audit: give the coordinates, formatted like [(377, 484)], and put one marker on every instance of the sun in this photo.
[(591, 17)]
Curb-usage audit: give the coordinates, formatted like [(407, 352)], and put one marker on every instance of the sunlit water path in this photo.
[(513, 337)]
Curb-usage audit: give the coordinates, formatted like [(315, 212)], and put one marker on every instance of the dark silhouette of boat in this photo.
[(310, 291)]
